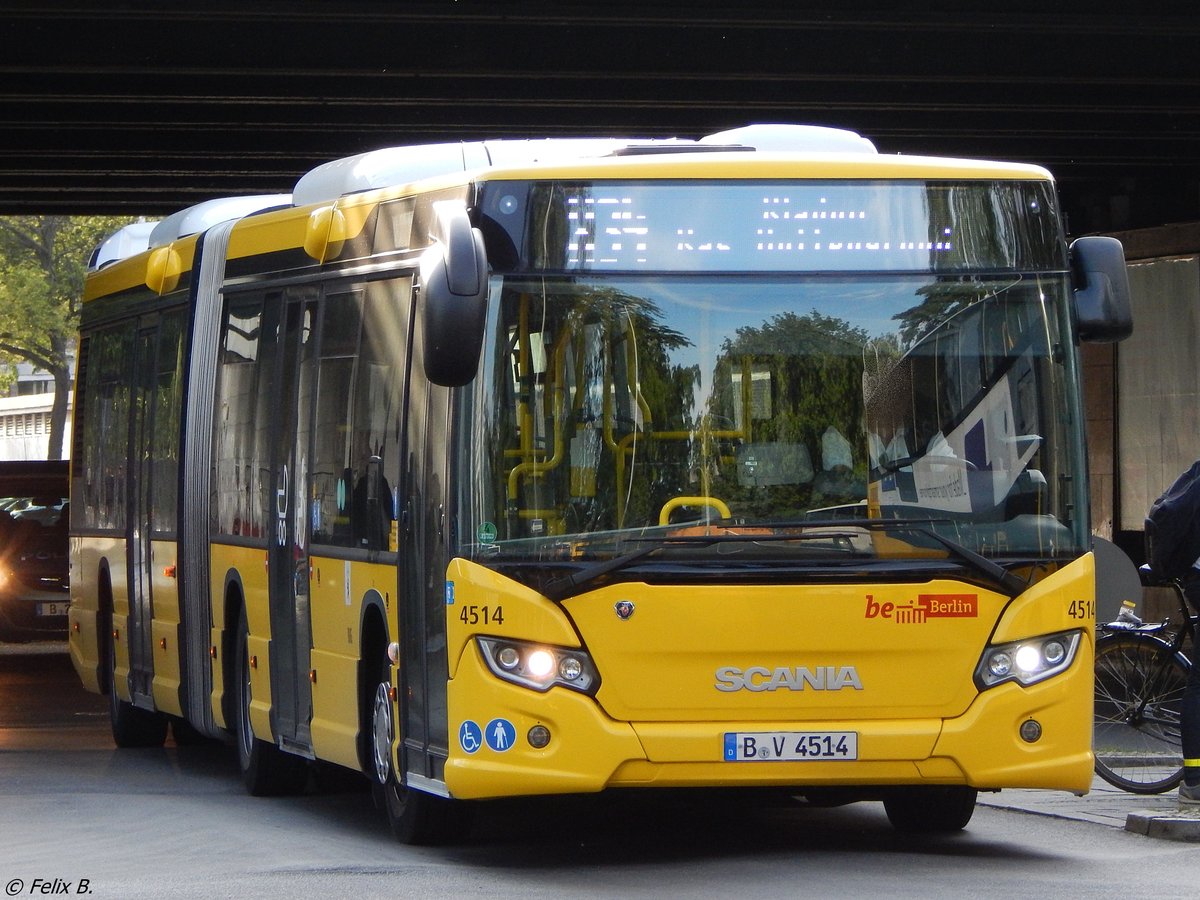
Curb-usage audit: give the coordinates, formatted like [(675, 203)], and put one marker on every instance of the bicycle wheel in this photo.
[(1139, 689)]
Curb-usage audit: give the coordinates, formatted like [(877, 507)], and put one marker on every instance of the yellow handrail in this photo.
[(664, 515)]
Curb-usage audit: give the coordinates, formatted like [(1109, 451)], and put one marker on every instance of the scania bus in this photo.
[(516, 468)]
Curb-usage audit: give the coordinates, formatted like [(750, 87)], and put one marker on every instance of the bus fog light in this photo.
[(1031, 731), (539, 736)]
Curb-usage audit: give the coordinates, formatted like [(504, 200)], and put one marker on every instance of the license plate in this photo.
[(790, 746), (53, 609)]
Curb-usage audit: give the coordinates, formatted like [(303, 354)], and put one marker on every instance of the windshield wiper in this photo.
[(577, 582), (569, 585), (1012, 585)]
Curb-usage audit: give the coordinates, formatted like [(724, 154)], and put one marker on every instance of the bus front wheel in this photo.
[(415, 817), (930, 810)]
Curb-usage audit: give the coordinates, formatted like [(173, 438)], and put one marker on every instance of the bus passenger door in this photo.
[(425, 669), (291, 623), (137, 534)]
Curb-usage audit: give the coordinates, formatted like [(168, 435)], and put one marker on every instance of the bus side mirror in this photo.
[(453, 297), (1103, 312)]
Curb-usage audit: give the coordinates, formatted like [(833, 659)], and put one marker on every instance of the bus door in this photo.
[(291, 622), (137, 529), (424, 672)]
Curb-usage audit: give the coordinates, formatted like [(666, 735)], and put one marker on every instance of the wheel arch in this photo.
[(372, 666), (233, 601), (104, 625)]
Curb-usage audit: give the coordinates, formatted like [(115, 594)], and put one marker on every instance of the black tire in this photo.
[(184, 734), (266, 770), (131, 726), (415, 817), (937, 809), (1136, 739)]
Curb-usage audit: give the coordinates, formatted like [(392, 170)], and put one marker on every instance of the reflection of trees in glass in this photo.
[(989, 226), (958, 341), (651, 399), (943, 300), (805, 374)]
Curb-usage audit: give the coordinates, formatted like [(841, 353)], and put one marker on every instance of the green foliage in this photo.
[(43, 260), (815, 364)]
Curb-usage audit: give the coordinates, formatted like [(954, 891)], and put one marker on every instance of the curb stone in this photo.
[(1181, 826)]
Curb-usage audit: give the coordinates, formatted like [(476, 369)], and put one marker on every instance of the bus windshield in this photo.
[(617, 410)]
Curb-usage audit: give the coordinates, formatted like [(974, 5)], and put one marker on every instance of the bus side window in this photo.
[(357, 423), (375, 435), (333, 471)]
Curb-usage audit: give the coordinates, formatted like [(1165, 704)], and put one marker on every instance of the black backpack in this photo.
[(1173, 526)]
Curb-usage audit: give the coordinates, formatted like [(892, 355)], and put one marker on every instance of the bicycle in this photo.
[(1141, 671)]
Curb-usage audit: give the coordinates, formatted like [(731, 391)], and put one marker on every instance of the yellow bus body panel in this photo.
[(83, 618), (248, 564), (1054, 604), (658, 718), (526, 613), (585, 751), (216, 698), (268, 232), (89, 556), (337, 589), (165, 630), (132, 272)]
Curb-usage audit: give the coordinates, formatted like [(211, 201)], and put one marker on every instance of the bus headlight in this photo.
[(1028, 661), (539, 666)]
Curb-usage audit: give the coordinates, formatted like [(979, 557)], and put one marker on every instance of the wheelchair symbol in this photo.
[(470, 736)]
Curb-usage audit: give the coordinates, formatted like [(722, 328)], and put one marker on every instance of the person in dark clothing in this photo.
[(1172, 548)]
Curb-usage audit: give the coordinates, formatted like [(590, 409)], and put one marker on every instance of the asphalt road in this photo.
[(80, 818)]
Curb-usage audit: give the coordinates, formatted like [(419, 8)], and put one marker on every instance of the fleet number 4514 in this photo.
[(1082, 609), (481, 615)]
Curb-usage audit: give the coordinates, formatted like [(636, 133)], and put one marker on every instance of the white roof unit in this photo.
[(204, 216), (793, 139), (121, 244), (403, 165)]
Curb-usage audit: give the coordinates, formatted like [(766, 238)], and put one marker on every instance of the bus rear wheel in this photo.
[(266, 770), (930, 810), (415, 817)]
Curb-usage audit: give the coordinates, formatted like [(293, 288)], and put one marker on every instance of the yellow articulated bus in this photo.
[(542, 467)]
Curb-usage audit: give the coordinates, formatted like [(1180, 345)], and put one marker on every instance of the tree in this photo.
[(43, 260)]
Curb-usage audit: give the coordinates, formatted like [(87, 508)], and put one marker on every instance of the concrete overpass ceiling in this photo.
[(144, 107)]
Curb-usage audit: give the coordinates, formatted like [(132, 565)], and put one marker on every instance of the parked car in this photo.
[(34, 583)]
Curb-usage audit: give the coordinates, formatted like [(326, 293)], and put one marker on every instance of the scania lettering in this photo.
[(510, 468), (759, 678)]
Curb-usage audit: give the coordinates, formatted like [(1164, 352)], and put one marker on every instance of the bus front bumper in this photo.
[(495, 726)]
